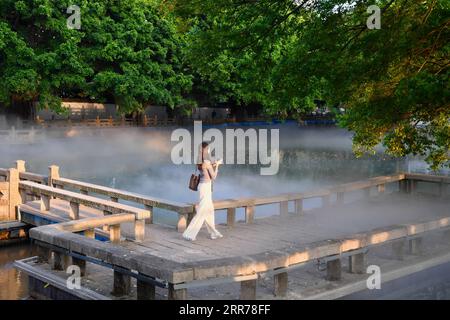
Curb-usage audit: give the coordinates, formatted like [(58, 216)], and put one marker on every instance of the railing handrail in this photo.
[(427, 177), (182, 208), (352, 186), (92, 223), (89, 201)]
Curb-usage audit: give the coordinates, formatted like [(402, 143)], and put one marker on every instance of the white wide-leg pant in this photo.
[(205, 213)]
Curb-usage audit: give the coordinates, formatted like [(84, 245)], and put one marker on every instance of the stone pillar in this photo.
[(122, 284), (106, 213), (280, 284), (340, 198), (150, 209), (357, 263), (177, 294), (249, 214), (334, 270), (182, 223), (231, 216), (114, 233), (43, 253), (139, 230), (415, 246), (248, 290), (284, 208), (145, 290), (299, 206), (74, 211), (60, 261), (81, 264), (45, 203), (20, 166), (90, 233), (402, 186), (15, 198), (398, 249), (53, 173)]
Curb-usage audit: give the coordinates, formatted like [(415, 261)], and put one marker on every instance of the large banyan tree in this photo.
[(392, 80), (127, 52)]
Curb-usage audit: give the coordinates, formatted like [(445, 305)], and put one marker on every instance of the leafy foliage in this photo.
[(392, 82), (126, 51)]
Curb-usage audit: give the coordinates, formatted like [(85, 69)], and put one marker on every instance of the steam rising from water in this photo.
[(138, 159)]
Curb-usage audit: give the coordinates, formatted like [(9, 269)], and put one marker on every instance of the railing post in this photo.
[(299, 206), (397, 248), (122, 284), (20, 166), (90, 233), (43, 253), (284, 208), (357, 263), (52, 174), (381, 188), (415, 246), (114, 233), (248, 290), (340, 198), (60, 261), (145, 290), (149, 209), (106, 213), (81, 264), (231, 216), (249, 214), (176, 294), (45, 203), (402, 186), (74, 213), (334, 270), (15, 198), (139, 230), (281, 284), (182, 222)]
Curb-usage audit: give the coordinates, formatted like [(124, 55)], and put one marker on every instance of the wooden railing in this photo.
[(46, 194), (14, 135), (283, 200), (106, 122), (183, 209)]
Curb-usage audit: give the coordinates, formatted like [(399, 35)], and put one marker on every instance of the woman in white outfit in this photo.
[(205, 207)]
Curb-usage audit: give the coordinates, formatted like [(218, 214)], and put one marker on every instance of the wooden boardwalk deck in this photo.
[(72, 215), (274, 232)]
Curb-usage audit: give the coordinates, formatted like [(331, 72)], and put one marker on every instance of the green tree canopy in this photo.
[(126, 51), (393, 81)]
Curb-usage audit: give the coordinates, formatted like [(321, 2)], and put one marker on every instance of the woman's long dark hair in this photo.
[(204, 146)]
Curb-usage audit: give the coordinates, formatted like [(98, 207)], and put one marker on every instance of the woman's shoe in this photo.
[(188, 238), (217, 235)]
